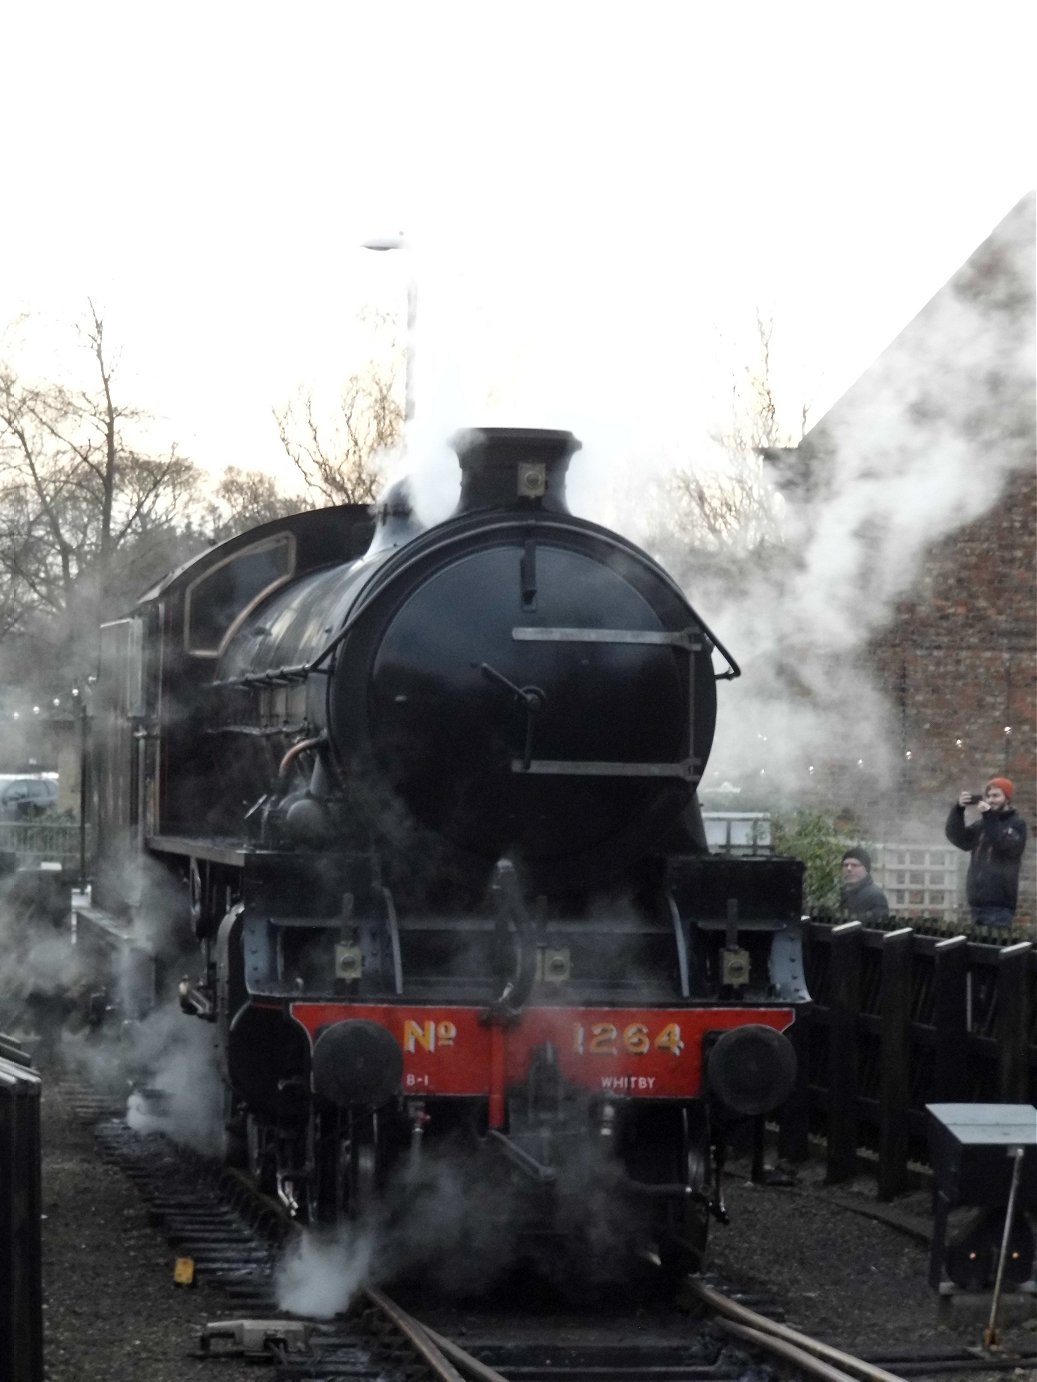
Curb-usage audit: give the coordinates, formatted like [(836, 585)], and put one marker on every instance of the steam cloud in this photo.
[(923, 444), (451, 1220), (179, 1056), (441, 1221), (42, 975), (319, 1274)]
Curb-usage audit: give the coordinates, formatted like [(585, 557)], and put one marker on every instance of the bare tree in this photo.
[(12, 613), (245, 498), (78, 500), (717, 516), (341, 458)]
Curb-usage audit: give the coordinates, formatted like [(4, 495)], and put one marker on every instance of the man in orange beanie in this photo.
[(996, 840)]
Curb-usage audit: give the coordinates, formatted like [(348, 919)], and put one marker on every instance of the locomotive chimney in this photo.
[(513, 468)]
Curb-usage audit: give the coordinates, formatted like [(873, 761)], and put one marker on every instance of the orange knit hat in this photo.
[(1003, 782)]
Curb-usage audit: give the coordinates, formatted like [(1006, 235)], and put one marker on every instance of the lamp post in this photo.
[(399, 242), (79, 701)]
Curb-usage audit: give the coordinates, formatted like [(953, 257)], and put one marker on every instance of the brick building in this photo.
[(958, 659)]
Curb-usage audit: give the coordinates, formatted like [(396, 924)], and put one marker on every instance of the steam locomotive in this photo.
[(423, 801)]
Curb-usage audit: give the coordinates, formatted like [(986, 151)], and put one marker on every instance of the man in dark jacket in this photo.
[(861, 895), (996, 841)]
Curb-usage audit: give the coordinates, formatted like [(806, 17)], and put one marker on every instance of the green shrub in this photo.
[(812, 838)]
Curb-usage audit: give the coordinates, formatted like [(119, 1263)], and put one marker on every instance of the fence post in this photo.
[(894, 1075), (1013, 1022), (21, 1255), (843, 1009), (794, 1114), (950, 1022)]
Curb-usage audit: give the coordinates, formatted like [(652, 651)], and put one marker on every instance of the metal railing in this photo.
[(738, 832), (46, 841)]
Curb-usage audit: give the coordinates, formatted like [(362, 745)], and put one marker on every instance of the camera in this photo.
[(975, 798)]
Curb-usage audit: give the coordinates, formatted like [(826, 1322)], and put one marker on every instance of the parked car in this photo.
[(28, 797)]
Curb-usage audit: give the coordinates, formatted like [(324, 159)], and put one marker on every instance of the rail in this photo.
[(812, 1356)]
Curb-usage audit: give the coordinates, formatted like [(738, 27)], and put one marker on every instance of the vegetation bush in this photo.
[(814, 839)]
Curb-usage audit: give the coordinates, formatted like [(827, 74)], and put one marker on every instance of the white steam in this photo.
[(922, 445), (319, 1274), (42, 979), (188, 1100), (165, 1064)]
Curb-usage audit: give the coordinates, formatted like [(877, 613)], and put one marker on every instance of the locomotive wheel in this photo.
[(235, 1144), (672, 1146), (683, 1229), (347, 1162), (235, 1133), (262, 1161), (363, 1164)]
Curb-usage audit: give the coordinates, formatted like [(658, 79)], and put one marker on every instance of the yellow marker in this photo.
[(183, 1271)]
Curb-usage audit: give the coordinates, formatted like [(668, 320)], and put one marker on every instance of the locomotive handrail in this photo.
[(259, 731), (683, 768), (679, 638), (681, 943), (733, 669), (393, 569), (519, 985), (282, 676)]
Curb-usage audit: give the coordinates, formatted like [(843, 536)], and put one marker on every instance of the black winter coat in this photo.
[(865, 901), (996, 842)]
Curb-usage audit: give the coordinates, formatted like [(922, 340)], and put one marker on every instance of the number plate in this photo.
[(648, 1053)]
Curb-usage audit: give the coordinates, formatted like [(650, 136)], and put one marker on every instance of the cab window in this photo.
[(217, 598)]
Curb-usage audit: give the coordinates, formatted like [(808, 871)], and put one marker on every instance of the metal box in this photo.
[(968, 1151), (973, 1150)]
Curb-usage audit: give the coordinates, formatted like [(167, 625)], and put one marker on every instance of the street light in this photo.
[(399, 242)]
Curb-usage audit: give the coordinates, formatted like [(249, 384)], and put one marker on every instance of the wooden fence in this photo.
[(900, 1020)]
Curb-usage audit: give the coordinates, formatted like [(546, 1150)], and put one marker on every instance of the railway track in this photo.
[(222, 1231), (400, 1345)]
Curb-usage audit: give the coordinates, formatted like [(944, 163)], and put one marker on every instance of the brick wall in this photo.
[(960, 665), (958, 658)]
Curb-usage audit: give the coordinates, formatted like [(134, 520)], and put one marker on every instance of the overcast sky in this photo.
[(598, 195)]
